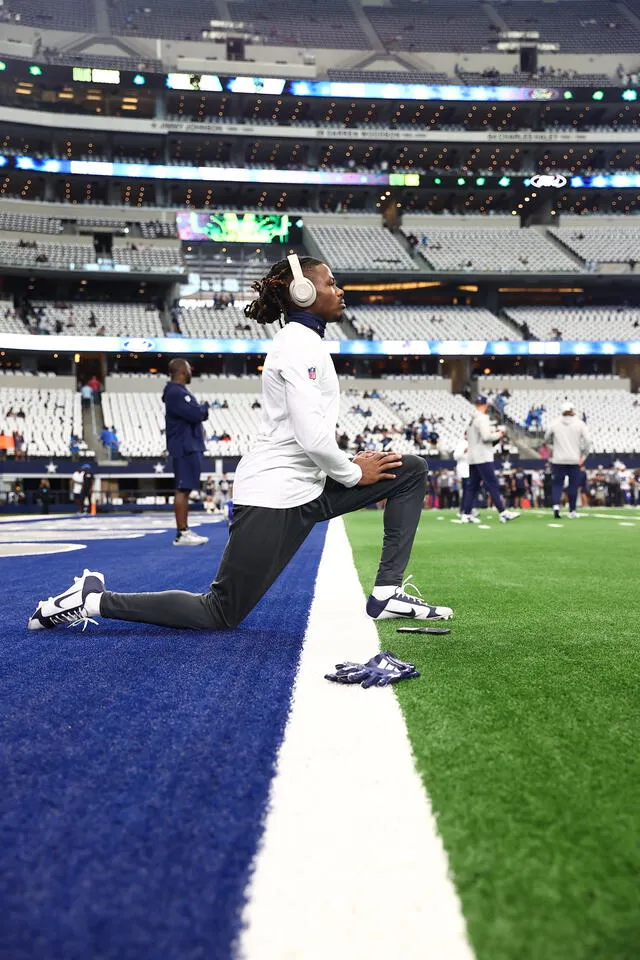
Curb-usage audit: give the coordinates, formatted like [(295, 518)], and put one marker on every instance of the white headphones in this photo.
[(301, 289)]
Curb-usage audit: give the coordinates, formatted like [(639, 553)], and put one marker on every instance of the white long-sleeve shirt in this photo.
[(461, 456), (481, 435), (296, 447)]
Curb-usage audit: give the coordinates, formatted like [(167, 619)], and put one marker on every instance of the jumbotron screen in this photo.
[(238, 227)]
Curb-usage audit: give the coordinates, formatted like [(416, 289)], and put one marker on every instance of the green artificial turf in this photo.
[(525, 728)]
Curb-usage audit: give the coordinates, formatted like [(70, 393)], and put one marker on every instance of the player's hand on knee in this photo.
[(377, 466)]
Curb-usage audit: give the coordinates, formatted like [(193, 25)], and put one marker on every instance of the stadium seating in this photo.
[(25, 223), (431, 323), (601, 245), (360, 248), (150, 259), (579, 323), (230, 323), (587, 27), (501, 251), (158, 18), (460, 26), (395, 408), (613, 416), (310, 23), (53, 256), (139, 421), (118, 319), (158, 230), (10, 322), (51, 416), (72, 15)]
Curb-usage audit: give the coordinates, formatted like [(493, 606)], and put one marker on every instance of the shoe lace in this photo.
[(407, 586), (74, 617)]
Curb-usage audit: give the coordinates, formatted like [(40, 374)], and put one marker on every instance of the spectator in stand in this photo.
[(86, 395), (96, 387), (224, 491), (18, 445), (114, 442), (74, 446), (209, 494)]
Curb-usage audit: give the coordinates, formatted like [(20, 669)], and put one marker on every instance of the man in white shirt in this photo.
[(294, 476), (461, 457), (569, 439), (481, 436)]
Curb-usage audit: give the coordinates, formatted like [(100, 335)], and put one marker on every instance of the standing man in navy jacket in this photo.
[(185, 443)]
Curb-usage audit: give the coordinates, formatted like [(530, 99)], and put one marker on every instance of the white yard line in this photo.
[(351, 864), (614, 516)]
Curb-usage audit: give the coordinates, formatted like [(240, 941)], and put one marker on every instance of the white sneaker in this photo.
[(572, 515), (68, 607), (507, 515), (189, 539), (469, 518), (402, 604)]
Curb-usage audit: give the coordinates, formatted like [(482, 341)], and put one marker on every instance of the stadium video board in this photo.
[(261, 228)]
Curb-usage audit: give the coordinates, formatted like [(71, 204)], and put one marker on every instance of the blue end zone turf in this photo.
[(136, 761)]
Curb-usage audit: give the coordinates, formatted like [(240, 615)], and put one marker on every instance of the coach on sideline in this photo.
[(569, 439), (185, 443)]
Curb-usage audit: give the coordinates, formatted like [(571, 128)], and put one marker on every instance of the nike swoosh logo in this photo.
[(412, 614), (58, 600)]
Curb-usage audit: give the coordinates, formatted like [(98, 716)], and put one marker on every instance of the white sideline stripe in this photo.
[(351, 864), (611, 516)]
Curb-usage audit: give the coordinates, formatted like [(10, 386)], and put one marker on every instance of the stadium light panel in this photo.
[(461, 181), (480, 181), (437, 180), (568, 95), (3, 65), (139, 80), (504, 181), (597, 95), (35, 70), (630, 95)]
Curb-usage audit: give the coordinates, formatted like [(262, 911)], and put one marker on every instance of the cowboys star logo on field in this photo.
[(548, 180)]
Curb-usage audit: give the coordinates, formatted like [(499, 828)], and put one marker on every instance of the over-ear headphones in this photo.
[(301, 289)]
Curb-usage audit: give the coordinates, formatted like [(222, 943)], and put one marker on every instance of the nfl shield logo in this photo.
[(312, 373)]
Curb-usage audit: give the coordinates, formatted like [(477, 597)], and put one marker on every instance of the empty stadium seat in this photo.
[(360, 248), (431, 323), (51, 416), (613, 416), (503, 250), (579, 323), (602, 245)]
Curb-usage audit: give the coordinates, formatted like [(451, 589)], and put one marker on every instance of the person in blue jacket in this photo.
[(185, 443)]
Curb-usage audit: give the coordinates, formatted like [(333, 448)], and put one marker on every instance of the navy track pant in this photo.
[(482, 473), (560, 471)]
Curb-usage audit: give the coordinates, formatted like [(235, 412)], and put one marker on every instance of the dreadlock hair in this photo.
[(273, 298)]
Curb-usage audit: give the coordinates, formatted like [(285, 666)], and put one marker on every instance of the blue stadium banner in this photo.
[(438, 348)]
